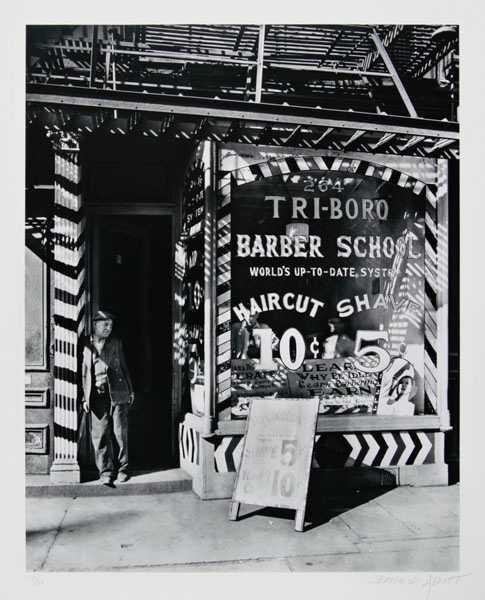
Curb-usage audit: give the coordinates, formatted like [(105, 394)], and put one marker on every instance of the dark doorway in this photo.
[(132, 272)]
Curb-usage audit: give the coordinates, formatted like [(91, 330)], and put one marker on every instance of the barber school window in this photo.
[(328, 293)]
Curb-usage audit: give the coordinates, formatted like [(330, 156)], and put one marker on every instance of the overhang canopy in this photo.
[(78, 110)]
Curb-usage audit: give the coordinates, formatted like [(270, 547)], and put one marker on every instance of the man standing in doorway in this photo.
[(107, 395)]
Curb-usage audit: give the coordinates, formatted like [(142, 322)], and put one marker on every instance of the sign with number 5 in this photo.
[(372, 351)]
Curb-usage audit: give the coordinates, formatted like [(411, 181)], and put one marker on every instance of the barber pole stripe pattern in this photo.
[(390, 449), (411, 275), (398, 324), (69, 301), (189, 444), (223, 296), (442, 230), (430, 302), (285, 167)]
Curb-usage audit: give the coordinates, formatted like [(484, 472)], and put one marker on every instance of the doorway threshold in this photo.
[(141, 482)]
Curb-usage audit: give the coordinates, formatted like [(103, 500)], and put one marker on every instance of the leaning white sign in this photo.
[(277, 455)]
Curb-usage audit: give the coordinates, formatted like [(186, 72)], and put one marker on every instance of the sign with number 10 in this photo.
[(380, 357)]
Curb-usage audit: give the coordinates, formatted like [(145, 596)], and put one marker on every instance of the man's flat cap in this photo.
[(103, 315)]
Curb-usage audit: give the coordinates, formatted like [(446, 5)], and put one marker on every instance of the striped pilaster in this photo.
[(223, 297), (430, 302), (442, 230), (441, 331), (69, 310)]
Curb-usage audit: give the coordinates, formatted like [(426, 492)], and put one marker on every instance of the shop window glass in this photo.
[(327, 293)]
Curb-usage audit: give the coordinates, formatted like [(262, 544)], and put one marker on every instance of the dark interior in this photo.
[(135, 261)]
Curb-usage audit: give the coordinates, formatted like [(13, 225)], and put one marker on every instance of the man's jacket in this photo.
[(119, 381)]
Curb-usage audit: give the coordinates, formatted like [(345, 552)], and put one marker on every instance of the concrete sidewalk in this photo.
[(403, 529), (142, 482)]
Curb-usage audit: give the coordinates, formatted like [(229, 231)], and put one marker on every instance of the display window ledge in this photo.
[(350, 423)]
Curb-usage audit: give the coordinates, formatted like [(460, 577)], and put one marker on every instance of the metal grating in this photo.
[(332, 66), (316, 86)]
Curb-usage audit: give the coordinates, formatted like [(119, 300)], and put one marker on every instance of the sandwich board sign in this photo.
[(277, 455)]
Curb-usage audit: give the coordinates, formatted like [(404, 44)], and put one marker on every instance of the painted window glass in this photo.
[(193, 232), (328, 292)]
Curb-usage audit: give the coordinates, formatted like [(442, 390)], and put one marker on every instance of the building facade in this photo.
[(269, 211)]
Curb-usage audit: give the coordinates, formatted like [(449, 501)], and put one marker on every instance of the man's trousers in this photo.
[(109, 432)]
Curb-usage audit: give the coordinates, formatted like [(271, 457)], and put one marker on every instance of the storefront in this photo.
[(339, 260), (248, 251)]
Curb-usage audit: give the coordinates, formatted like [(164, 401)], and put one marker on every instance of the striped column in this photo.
[(69, 311), (442, 293), (223, 298), (430, 303)]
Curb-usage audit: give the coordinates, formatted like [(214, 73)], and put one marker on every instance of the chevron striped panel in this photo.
[(396, 448), (189, 444), (286, 166), (227, 453), (69, 301), (387, 449)]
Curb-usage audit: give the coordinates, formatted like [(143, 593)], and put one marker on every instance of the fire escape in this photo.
[(379, 89)]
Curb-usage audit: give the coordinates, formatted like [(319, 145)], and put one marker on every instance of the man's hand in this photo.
[(132, 399), (85, 406)]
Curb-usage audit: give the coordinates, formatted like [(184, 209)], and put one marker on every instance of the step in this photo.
[(154, 482)]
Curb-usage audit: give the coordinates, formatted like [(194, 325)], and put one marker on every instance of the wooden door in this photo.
[(39, 427)]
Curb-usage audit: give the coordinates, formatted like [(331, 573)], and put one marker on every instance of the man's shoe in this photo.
[(106, 480), (123, 477)]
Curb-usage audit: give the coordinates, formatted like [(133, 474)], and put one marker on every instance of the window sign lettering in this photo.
[(327, 293)]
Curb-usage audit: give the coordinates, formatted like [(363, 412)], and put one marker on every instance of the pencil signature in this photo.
[(427, 582)]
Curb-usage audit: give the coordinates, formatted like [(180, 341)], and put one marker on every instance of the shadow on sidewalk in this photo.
[(331, 494), (94, 523)]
